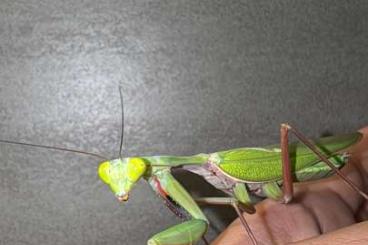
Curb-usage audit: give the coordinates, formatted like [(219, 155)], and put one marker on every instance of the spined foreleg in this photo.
[(185, 233)]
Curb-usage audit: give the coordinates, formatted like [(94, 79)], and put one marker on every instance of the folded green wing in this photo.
[(319, 170), (264, 164)]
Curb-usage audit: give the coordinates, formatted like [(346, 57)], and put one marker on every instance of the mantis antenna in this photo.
[(74, 150), (53, 148), (122, 121)]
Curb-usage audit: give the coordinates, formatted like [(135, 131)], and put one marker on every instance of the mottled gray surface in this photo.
[(198, 76)]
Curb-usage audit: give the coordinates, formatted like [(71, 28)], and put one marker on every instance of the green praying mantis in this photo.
[(244, 174)]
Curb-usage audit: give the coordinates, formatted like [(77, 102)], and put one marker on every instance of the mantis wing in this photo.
[(265, 164), (320, 170)]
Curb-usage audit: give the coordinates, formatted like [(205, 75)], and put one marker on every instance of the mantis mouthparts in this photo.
[(123, 198)]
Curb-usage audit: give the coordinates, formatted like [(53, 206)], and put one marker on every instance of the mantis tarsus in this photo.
[(243, 173)]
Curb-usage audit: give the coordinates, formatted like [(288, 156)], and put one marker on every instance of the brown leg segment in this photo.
[(245, 224), (287, 184), (205, 241), (284, 130)]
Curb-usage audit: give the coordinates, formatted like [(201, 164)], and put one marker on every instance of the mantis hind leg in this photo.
[(316, 171), (287, 177)]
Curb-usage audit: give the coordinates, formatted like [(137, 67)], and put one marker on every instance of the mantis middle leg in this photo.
[(220, 201), (240, 202)]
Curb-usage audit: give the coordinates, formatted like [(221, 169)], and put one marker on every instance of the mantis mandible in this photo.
[(243, 174)]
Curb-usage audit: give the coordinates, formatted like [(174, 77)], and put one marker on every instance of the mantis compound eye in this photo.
[(103, 172), (136, 167)]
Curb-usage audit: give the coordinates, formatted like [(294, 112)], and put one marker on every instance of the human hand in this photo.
[(317, 208)]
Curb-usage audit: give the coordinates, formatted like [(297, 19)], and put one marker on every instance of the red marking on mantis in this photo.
[(159, 188), (168, 200)]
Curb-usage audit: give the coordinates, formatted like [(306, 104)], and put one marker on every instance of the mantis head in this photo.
[(122, 174)]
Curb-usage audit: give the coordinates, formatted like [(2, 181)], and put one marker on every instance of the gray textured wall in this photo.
[(198, 76)]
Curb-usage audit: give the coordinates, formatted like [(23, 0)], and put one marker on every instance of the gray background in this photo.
[(198, 76)]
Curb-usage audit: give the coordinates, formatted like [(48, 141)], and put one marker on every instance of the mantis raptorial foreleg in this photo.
[(188, 232), (287, 177)]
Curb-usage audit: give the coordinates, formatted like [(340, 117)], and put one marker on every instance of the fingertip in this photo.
[(364, 130), (363, 143)]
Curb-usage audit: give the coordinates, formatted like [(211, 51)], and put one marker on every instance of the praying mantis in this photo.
[(243, 174)]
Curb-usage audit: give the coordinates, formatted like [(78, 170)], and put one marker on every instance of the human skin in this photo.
[(322, 212)]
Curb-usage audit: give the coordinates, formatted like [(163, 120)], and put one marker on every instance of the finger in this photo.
[(360, 155), (355, 234), (274, 223)]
